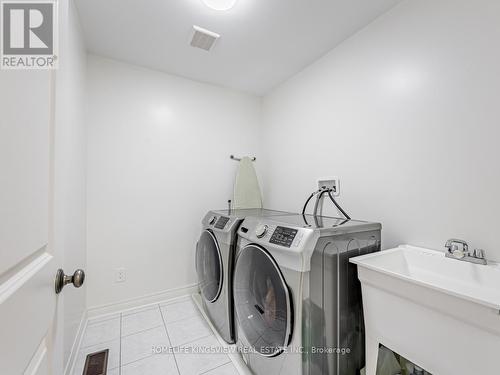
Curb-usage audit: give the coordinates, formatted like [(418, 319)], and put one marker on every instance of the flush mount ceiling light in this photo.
[(219, 4)]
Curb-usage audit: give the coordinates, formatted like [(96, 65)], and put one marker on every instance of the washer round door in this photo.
[(209, 266), (262, 301)]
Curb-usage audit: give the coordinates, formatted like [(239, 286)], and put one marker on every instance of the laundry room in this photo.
[(227, 187)]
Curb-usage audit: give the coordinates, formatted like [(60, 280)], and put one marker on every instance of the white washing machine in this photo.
[(297, 298), (215, 252)]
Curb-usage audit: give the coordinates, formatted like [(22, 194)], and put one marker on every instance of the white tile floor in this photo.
[(139, 341)]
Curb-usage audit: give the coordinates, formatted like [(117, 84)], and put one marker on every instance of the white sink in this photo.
[(441, 313)]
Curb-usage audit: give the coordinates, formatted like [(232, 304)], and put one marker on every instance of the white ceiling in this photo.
[(263, 42)]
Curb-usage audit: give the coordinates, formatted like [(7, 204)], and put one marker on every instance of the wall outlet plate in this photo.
[(120, 275), (331, 183)]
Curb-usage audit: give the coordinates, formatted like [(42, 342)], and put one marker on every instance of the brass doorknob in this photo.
[(76, 279)]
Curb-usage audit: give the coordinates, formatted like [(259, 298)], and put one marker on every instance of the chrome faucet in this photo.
[(453, 242), (453, 251)]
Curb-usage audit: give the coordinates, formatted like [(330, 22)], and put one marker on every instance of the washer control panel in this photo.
[(283, 236), (221, 223)]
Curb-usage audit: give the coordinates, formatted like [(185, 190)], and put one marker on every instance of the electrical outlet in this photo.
[(120, 275), (331, 183)]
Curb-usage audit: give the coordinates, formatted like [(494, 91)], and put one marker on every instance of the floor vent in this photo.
[(96, 363)]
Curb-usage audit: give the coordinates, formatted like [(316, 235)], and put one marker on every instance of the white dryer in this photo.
[(215, 252), (297, 298)]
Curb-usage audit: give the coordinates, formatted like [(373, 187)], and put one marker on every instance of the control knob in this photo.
[(212, 220), (261, 230)]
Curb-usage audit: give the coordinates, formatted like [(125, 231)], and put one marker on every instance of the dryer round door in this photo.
[(209, 266), (262, 301)]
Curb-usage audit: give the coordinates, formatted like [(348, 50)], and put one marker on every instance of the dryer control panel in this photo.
[(283, 236)]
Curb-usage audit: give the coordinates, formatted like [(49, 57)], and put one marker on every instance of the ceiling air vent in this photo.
[(203, 39)]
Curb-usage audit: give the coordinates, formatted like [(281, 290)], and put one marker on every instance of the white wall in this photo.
[(406, 113), (69, 173), (158, 159)]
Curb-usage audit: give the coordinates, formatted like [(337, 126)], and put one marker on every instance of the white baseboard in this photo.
[(153, 298), (68, 370)]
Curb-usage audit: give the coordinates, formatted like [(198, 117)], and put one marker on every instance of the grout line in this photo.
[(137, 310), (197, 339), (137, 360), (128, 335), (216, 367), (97, 343), (168, 337), (189, 317), (90, 324), (84, 348), (141, 331)]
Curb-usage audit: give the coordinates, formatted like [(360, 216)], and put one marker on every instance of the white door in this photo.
[(27, 262)]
